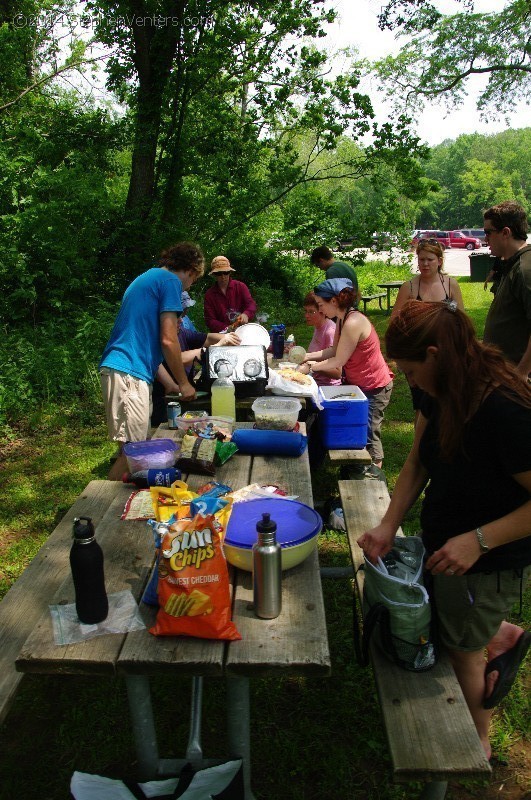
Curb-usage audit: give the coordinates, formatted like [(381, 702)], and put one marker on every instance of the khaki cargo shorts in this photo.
[(128, 405)]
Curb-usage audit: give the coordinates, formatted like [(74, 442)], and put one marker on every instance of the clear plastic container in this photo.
[(151, 454), (276, 413)]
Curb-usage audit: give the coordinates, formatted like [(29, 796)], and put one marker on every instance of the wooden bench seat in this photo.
[(368, 298), (28, 598), (430, 731)]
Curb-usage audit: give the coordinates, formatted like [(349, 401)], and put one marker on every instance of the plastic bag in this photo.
[(198, 455), (123, 617), (282, 386)]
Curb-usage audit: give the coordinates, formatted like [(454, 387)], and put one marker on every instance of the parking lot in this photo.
[(456, 262)]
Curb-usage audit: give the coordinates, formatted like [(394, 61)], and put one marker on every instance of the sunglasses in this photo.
[(221, 273), (489, 231)]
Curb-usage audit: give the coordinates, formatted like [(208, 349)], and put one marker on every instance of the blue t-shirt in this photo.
[(134, 343)]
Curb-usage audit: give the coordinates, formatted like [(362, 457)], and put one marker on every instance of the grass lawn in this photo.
[(311, 738)]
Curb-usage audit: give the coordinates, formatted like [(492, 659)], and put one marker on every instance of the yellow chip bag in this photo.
[(193, 582), (169, 501)]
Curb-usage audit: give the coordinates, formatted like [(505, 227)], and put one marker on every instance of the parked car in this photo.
[(443, 237), (458, 239), (477, 233), (384, 240)]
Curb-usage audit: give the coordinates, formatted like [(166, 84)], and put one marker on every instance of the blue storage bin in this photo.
[(344, 417)]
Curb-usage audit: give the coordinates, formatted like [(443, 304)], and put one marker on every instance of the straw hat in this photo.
[(220, 264)]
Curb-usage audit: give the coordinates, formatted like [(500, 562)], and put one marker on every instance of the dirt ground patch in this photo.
[(508, 782)]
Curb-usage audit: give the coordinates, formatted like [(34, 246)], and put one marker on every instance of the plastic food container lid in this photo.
[(252, 333), (296, 354), (149, 447), (296, 522), (284, 405)]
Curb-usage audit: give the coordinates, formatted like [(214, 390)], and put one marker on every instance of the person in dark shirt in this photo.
[(323, 258), (191, 341), (472, 457), (508, 323)]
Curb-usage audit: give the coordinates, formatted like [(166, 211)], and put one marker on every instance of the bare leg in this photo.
[(470, 672), (506, 637), (118, 468)]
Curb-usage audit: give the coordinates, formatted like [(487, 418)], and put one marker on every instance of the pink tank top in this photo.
[(366, 366)]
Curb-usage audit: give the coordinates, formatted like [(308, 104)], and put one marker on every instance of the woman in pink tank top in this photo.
[(356, 350)]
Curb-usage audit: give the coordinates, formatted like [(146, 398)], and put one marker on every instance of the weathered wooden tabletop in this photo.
[(295, 642)]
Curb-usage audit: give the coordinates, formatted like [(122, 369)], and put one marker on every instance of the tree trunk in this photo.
[(154, 51)]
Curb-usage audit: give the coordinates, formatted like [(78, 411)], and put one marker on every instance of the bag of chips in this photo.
[(193, 582), (197, 454)]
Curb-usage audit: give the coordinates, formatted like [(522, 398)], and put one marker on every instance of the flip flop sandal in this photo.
[(506, 665)]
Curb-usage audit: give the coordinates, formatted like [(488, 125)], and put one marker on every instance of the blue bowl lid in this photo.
[(296, 522), (149, 446)]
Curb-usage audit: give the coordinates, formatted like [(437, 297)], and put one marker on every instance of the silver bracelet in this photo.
[(481, 540)]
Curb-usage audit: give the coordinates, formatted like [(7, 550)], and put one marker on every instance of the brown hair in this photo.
[(432, 246), (466, 368), (509, 215), (183, 257), (319, 253), (310, 300)]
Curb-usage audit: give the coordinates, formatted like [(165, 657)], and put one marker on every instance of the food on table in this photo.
[(290, 374)]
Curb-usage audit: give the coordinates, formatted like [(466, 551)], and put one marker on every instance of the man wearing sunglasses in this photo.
[(508, 323)]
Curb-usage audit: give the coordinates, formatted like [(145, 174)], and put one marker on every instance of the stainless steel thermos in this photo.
[(86, 563), (267, 570)]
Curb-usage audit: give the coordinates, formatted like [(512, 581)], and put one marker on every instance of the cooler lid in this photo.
[(296, 522)]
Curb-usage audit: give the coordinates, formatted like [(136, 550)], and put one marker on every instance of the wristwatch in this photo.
[(481, 541)]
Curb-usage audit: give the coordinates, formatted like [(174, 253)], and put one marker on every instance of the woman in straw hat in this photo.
[(229, 300)]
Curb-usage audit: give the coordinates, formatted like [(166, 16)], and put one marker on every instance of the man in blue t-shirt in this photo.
[(144, 334)]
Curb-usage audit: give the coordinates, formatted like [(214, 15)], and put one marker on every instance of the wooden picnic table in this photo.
[(293, 644), (389, 286)]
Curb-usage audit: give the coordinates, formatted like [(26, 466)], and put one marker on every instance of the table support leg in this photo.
[(239, 726), (194, 751), (435, 790), (141, 711)]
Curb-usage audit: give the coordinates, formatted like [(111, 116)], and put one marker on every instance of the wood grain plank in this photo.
[(30, 595), (345, 456), (296, 642), (144, 653), (429, 729), (128, 552)]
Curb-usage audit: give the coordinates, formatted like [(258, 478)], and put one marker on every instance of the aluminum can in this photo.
[(174, 411)]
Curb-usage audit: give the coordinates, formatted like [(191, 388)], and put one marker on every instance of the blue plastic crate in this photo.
[(344, 417)]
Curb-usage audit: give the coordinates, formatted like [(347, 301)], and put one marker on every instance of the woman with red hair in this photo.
[(472, 458)]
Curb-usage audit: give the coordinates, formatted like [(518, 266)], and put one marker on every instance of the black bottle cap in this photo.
[(266, 524), (83, 528)]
